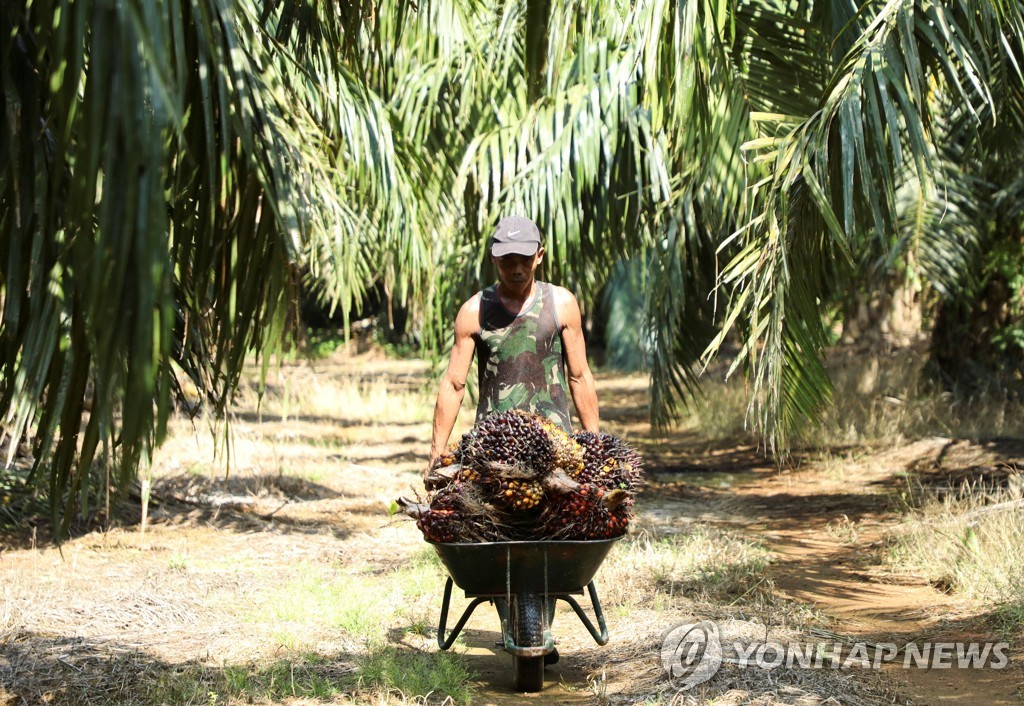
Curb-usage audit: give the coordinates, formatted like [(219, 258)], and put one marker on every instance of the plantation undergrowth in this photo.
[(286, 581)]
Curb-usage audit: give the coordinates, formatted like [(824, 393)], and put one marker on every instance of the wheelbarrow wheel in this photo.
[(527, 611)]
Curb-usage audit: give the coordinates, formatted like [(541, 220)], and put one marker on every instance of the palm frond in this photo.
[(557, 165), (167, 173), (873, 125)]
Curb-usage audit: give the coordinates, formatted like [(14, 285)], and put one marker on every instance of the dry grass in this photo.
[(631, 673), (969, 542), (83, 672), (880, 399), (361, 397), (699, 564), (887, 398), (186, 615), (282, 578), (653, 582), (720, 412)]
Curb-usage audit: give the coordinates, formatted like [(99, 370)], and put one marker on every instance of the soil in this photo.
[(824, 522), (836, 575)]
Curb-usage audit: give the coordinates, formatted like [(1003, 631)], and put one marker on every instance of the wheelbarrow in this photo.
[(524, 580)]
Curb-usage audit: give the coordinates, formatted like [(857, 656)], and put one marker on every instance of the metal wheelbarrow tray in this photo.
[(524, 580)]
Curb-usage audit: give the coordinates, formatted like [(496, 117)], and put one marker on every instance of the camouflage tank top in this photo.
[(520, 361)]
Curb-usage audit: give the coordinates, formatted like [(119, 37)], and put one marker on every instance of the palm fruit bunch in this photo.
[(515, 439), (568, 452), (593, 455), (518, 476), (469, 475), (448, 457), (522, 494), (439, 525), (589, 512), (609, 462), (456, 513), (450, 466)]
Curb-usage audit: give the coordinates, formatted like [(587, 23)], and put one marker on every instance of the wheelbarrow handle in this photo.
[(445, 642)]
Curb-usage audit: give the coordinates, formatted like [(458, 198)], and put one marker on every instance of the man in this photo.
[(528, 336)]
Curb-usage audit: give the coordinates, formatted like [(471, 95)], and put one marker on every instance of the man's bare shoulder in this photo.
[(565, 303), (468, 320), (471, 306)]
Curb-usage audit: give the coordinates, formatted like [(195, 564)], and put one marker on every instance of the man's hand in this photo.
[(432, 464), (438, 475)]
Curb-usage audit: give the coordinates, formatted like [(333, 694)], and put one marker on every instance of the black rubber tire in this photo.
[(529, 674), (527, 615)]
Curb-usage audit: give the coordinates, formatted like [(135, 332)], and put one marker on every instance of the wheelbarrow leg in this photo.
[(600, 637), (443, 642)]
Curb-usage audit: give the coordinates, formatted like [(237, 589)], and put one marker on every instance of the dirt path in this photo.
[(823, 573), (822, 529)]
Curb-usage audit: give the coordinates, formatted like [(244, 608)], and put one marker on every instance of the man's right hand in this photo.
[(437, 475), (431, 465)]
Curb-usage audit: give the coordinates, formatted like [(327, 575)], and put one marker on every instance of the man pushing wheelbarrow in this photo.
[(526, 334), (524, 510)]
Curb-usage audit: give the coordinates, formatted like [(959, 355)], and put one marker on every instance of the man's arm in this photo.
[(453, 384), (581, 381)]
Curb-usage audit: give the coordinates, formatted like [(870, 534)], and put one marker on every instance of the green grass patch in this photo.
[(323, 344), (370, 609), (363, 604), (415, 674), (385, 674), (349, 603), (306, 677)]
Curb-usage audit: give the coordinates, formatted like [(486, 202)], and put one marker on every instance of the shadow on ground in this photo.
[(988, 464), (36, 668)]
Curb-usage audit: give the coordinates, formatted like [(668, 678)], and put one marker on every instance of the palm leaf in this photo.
[(167, 173), (873, 127)]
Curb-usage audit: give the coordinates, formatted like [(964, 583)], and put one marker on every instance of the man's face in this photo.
[(517, 270)]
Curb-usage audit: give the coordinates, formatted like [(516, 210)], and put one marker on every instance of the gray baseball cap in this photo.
[(515, 235)]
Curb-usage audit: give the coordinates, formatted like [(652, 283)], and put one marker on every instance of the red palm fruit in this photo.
[(585, 514)]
